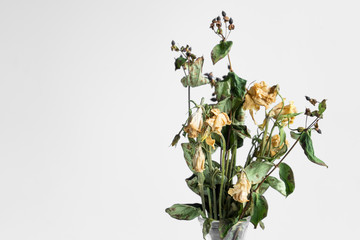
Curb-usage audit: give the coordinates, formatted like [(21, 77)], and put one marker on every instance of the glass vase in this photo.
[(236, 232)]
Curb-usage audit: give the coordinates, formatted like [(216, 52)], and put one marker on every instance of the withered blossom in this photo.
[(288, 109), (241, 189), (259, 95), (199, 159), (275, 145), (218, 120), (195, 124)]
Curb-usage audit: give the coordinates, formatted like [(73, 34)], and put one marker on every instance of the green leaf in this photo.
[(222, 89), (189, 151), (295, 135), (225, 225), (184, 211), (322, 107), (179, 62), (263, 188), (224, 105), (306, 144), (241, 131), (192, 183), (282, 135), (237, 231), (238, 85), (277, 184), (257, 170), (262, 225), (287, 175), (260, 208), (220, 51), (206, 227), (195, 77)]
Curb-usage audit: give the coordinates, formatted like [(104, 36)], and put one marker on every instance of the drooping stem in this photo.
[(222, 175)]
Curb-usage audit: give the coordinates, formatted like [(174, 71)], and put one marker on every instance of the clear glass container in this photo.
[(237, 232)]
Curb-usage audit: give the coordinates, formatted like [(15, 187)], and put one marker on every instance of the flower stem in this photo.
[(263, 143), (222, 175), (201, 189), (210, 205), (209, 159)]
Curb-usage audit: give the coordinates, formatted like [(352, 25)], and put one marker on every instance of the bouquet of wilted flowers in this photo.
[(221, 125)]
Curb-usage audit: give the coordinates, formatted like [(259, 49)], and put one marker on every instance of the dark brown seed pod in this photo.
[(213, 99), (172, 43), (223, 13), (231, 21)]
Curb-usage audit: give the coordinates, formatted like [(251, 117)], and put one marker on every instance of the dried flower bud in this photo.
[(218, 79), (213, 94), (231, 27), (175, 140), (223, 13), (190, 49), (311, 100), (307, 112), (214, 20), (210, 76), (226, 19), (218, 18), (318, 130), (231, 21), (212, 26), (213, 99), (172, 43)]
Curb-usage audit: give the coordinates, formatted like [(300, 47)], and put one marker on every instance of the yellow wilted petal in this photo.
[(195, 124), (241, 189), (199, 160), (211, 142)]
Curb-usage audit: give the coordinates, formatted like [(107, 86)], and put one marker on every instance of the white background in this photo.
[(89, 103)]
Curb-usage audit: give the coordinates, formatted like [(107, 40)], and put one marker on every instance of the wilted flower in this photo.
[(259, 95), (199, 159), (241, 189), (288, 109), (275, 145), (195, 123), (217, 121)]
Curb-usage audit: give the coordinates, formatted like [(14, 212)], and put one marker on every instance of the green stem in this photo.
[(233, 162), (209, 159), (210, 205), (263, 143), (201, 189), (222, 175), (215, 204)]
